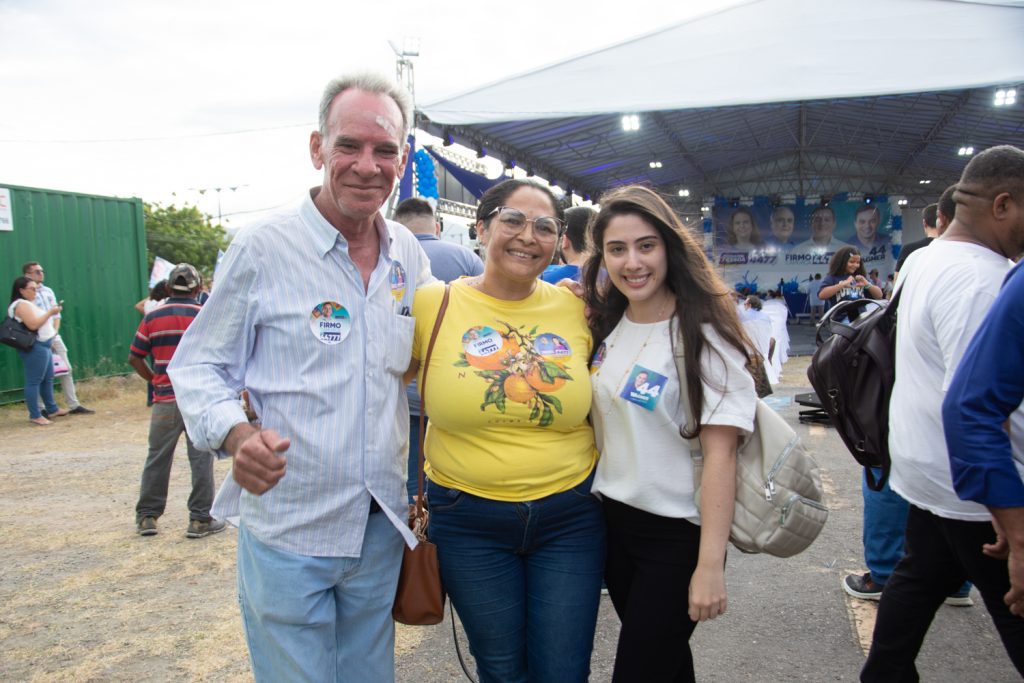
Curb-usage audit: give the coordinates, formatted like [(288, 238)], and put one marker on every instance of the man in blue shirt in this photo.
[(573, 247), (983, 416)]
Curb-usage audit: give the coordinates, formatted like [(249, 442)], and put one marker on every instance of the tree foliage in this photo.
[(182, 235)]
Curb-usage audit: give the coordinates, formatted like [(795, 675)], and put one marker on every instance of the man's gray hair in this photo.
[(367, 81)]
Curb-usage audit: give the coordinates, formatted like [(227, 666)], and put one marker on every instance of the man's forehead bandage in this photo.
[(386, 125)]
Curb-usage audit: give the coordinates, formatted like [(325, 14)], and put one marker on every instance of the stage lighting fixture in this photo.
[(449, 140), (586, 196), (826, 199), (510, 164), (965, 151), (902, 202), (481, 152), (868, 199), (684, 192), (734, 202), (655, 164), (1005, 98), (631, 122), (924, 182)]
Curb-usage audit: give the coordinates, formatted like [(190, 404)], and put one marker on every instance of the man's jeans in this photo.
[(525, 578), (321, 619), (885, 519), (165, 426)]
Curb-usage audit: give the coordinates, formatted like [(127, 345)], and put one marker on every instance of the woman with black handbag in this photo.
[(38, 360), (665, 567)]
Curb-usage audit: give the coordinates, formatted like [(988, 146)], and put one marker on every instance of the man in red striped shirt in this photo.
[(158, 336)]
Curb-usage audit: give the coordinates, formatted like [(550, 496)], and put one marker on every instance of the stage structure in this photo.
[(768, 103)]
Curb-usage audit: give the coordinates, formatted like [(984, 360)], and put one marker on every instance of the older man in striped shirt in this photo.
[(311, 316)]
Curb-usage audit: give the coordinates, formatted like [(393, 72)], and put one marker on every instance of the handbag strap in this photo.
[(422, 386)]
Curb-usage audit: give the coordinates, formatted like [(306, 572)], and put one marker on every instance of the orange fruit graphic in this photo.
[(518, 389), (534, 379), (495, 361)]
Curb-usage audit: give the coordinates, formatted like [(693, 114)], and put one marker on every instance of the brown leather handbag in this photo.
[(419, 600)]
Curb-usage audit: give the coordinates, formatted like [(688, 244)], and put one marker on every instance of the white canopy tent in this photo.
[(765, 97), (764, 51)]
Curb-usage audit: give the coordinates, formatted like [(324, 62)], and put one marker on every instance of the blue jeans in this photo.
[(885, 520), (885, 524), (525, 578), (321, 619), (38, 364)]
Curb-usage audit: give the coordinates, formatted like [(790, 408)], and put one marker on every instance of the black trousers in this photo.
[(940, 554), (650, 562)]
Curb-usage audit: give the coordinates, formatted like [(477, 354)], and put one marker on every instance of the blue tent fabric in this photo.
[(405, 184), (476, 184)]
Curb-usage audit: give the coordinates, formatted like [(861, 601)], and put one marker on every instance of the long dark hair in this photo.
[(837, 266), (700, 294), (20, 283)]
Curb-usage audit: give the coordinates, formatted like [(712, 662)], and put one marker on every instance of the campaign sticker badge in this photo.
[(552, 346), (481, 341), (644, 387), (330, 322), (397, 279), (598, 359)]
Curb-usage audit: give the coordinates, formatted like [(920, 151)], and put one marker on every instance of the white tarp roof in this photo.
[(768, 51)]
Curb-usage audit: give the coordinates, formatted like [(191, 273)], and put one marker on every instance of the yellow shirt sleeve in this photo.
[(508, 392)]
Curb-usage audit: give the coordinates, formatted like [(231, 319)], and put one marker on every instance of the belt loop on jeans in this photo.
[(374, 506)]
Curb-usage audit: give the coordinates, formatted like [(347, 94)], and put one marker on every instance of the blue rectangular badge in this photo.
[(644, 387)]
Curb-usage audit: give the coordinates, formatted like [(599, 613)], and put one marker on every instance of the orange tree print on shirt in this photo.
[(518, 372)]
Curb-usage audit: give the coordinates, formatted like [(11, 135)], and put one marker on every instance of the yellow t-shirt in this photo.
[(508, 392)]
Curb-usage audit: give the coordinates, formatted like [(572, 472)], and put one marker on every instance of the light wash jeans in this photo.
[(321, 619)]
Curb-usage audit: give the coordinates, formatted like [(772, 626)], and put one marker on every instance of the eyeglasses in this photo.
[(513, 222)]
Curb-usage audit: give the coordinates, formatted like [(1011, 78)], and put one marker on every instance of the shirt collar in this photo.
[(325, 235)]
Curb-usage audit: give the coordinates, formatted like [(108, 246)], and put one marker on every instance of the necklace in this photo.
[(613, 394)]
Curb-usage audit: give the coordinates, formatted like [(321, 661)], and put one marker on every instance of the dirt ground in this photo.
[(83, 597)]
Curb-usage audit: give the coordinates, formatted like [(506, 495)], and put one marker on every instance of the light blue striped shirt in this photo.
[(342, 404)]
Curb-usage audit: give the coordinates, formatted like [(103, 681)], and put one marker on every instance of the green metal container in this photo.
[(93, 249)]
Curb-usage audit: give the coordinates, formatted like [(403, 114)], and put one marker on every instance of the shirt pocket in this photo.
[(399, 344)]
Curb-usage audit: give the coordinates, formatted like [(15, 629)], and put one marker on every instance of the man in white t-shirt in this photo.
[(947, 289)]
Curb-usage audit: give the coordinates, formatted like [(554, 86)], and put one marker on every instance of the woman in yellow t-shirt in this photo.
[(510, 454)]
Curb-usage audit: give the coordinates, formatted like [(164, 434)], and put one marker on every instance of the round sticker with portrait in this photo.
[(552, 346), (481, 341), (330, 322)]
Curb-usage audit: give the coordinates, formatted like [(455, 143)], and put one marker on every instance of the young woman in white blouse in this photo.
[(666, 556)]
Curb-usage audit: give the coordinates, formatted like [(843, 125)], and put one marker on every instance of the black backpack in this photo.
[(852, 372)]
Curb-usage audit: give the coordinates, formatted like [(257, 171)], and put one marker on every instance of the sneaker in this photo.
[(861, 586), (81, 410), (146, 526), (197, 529), (960, 599)]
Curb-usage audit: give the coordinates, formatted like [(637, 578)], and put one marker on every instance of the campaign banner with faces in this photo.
[(766, 244)]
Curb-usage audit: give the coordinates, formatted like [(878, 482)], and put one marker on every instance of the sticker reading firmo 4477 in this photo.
[(330, 322)]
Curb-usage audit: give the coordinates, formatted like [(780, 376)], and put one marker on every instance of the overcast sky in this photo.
[(152, 97)]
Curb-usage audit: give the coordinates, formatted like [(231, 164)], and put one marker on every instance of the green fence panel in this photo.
[(93, 249)]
